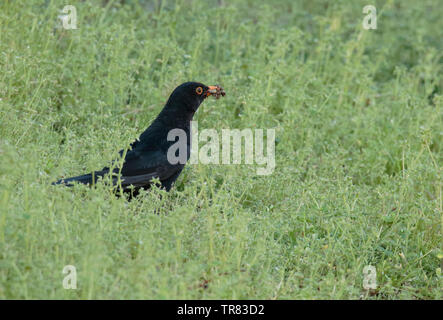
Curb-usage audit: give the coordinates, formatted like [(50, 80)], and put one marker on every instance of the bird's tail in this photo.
[(90, 178)]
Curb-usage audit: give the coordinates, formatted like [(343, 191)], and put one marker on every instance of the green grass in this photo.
[(358, 116)]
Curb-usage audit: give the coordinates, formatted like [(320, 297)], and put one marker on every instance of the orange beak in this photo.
[(215, 91)]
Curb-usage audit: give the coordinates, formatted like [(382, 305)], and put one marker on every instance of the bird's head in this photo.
[(190, 95)]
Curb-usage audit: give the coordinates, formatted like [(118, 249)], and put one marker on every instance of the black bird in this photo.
[(147, 157)]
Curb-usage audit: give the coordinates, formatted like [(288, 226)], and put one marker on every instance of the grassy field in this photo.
[(358, 116)]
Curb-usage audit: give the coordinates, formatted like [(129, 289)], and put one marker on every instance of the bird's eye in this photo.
[(199, 90)]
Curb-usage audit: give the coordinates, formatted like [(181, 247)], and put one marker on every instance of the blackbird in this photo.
[(147, 157)]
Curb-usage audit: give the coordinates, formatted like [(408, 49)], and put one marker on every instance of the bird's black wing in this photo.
[(141, 165), (145, 160), (89, 178), (139, 168)]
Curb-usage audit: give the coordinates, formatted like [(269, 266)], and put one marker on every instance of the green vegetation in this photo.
[(358, 116)]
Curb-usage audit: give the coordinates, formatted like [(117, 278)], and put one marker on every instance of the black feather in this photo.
[(147, 158)]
